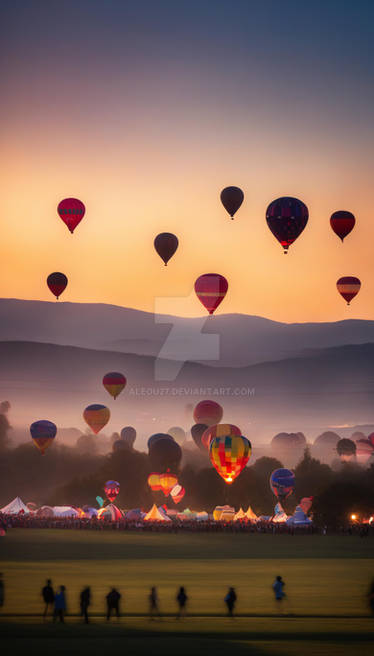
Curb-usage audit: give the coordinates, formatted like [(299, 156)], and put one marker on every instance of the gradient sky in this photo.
[(145, 110)]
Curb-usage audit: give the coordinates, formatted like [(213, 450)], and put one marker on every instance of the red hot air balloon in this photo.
[(111, 490), (231, 199), (57, 282), (208, 412), (287, 218), (114, 383), (96, 416), (342, 223), (71, 211), (348, 287), (166, 244), (211, 289)]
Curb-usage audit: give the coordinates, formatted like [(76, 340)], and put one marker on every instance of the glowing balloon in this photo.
[(177, 493), (348, 287), (111, 490), (178, 434), (128, 434), (342, 223), (43, 433), (231, 199), (208, 412), (229, 455), (197, 432), (287, 218), (166, 244), (154, 482), (218, 430), (167, 482), (282, 483), (114, 383), (96, 416), (57, 282), (71, 211), (211, 289)]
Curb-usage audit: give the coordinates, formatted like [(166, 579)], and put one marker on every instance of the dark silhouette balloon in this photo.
[(232, 198), (57, 282), (287, 218), (128, 434), (71, 211), (158, 436), (43, 433), (342, 223), (346, 449), (282, 483), (166, 244), (211, 289), (165, 454), (208, 412), (119, 445), (197, 432), (348, 287)]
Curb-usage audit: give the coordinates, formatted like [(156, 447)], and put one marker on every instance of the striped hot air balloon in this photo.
[(114, 383), (219, 430), (71, 211), (348, 287), (211, 289), (229, 455), (43, 433), (96, 416)]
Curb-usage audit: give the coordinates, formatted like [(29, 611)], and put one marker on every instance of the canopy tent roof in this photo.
[(154, 515), (65, 511), (279, 514), (15, 507), (251, 515), (240, 515)]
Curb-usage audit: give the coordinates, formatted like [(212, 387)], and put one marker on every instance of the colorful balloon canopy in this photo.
[(287, 218), (57, 282), (96, 416), (342, 223), (165, 245), (114, 383), (219, 430), (197, 431), (128, 434), (208, 412), (282, 483), (177, 493), (71, 211), (167, 482), (229, 455), (231, 199), (111, 490), (154, 482), (178, 434), (43, 433), (211, 289), (348, 287)]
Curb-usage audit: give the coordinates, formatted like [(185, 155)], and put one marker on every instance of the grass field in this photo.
[(326, 581)]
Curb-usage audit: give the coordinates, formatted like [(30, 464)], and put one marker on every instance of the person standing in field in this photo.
[(112, 601), (278, 587), (182, 602), (60, 605), (153, 603), (230, 601), (85, 600), (48, 597)]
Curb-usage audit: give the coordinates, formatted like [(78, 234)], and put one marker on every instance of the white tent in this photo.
[(14, 507), (65, 511), (154, 515), (299, 518)]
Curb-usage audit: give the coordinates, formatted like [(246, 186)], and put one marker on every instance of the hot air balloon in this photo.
[(287, 218), (128, 434), (346, 449), (177, 493), (348, 287), (165, 454), (167, 482), (229, 455), (197, 432), (231, 199), (208, 412), (158, 436), (166, 244), (71, 211), (114, 383), (219, 430), (342, 223), (154, 482), (111, 490), (282, 483), (57, 282), (364, 451), (119, 445), (96, 416), (178, 434), (211, 289), (43, 433)]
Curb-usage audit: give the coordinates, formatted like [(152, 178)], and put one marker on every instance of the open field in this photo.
[(326, 609)]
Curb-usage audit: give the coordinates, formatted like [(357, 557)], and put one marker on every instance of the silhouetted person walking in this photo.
[(60, 605), (48, 597), (230, 601), (2, 591), (153, 603), (85, 600), (278, 587), (182, 602), (112, 600)]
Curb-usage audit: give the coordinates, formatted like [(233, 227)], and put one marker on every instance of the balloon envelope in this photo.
[(208, 412), (282, 483), (197, 431), (43, 433), (346, 449), (111, 490), (165, 454), (167, 482), (57, 282), (287, 218), (218, 430), (348, 287), (231, 199), (342, 223), (154, 481), (177, 493), (96, 416), (211, 289), (178, 434), (229, 455), (158, 436), (114, 383), (128, 434), (71, 211), (166, 244)]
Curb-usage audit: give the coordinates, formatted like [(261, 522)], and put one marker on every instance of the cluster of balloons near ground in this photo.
[(168, 483), (286, 217)]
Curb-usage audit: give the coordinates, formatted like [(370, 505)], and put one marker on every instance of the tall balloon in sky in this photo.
[(114, 383), (282, 483), (166, 244), (229, 455), (57, 282), (231, 199), (96, 416), (287, 218), (211, 289), (43, 433), (111, 490), (342, 223), (71, 211), (348, 287), (208, 412)]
